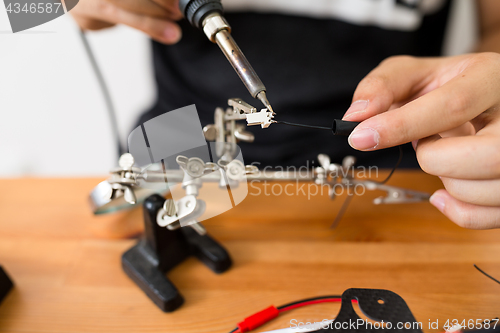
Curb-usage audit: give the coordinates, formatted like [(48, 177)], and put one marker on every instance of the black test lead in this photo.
[(339, 127)]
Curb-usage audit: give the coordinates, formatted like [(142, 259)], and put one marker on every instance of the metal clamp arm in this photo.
[(395, 195)]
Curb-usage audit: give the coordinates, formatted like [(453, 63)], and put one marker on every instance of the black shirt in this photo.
[(310, 67)]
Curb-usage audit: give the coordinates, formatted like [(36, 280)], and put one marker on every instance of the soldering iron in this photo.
[(208, 16)]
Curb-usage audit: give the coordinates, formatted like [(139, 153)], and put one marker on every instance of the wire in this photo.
[(491, 277), (302, 125), (309, 300), (342, 211), (394, 168), (334, 300), (105, 92), (256, 322)]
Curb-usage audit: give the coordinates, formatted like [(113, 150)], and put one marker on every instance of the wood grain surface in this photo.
[(65, 262)]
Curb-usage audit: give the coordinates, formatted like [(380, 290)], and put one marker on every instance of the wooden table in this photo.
[(66, 262)]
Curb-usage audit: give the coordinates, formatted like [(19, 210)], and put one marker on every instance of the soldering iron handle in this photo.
[(195, 11), (342, 127)]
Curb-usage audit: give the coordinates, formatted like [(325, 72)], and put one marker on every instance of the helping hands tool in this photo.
[(166, 242)]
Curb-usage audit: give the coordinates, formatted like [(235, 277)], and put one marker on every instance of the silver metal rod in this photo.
[(171, 176), (303, 176), (177, 176)]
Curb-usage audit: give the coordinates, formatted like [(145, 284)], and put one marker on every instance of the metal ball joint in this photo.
[(194, 166), (124, 178)]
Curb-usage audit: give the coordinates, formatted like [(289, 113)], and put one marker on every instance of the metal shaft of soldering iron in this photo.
[(241, 65)]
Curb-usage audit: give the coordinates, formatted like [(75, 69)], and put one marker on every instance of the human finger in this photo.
[(465, 157), (461, 99), (476, 192), (394, 80), (464, 214)]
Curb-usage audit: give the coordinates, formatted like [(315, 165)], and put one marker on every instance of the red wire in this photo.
[(299, 305)]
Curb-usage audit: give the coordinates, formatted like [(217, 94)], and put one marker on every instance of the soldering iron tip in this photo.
[(263, 98)]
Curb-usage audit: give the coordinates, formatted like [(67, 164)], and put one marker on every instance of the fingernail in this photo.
[(363, 139), (438, 202), (414, 143), (172, 35), (356, 107)]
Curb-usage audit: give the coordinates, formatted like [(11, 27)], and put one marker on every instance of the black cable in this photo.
[(339, 127), (342, 211), (307, 300), (395, 166), (491, 277), (302, 125), (234, 330), (105, 92)]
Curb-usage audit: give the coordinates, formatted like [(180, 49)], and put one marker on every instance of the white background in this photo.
[(53, 117)]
